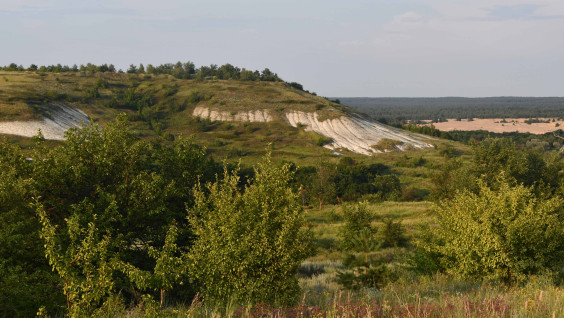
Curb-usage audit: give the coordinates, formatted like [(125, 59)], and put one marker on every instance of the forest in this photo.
[(398, 110)]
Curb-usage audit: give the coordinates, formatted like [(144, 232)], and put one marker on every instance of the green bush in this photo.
[(505, 233), (386, 144), (249, 243), (358, 219), (393, 234)]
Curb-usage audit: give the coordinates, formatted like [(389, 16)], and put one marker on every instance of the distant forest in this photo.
[(393, 110)]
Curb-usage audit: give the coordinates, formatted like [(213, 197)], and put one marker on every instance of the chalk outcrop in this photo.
[(259, 116), (58, 118), (354, 133), (350, 132)]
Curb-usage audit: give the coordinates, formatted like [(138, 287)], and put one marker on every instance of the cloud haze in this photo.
[(333, 47)]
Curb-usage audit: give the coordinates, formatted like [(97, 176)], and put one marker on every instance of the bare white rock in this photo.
[(258, 116), (354, 133), (52, 126)]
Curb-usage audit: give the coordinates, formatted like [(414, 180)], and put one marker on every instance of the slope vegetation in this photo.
[(225, 114)]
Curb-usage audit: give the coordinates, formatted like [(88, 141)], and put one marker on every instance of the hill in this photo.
[(231, 117)]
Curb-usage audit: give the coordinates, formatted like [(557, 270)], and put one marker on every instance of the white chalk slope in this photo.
[(250, 116), (354, 133), (347, 132), (53, 126)]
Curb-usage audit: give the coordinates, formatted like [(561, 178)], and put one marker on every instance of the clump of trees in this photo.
[(110, 209), (187, 70), (346, 180)]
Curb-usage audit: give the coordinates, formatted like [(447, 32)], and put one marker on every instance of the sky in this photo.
[(347, 48)]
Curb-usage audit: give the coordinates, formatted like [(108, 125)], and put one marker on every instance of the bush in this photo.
[(92, 92), (249, 243), (362, 274), (386, 144), (358, 219), (506, 233), (393, 234)]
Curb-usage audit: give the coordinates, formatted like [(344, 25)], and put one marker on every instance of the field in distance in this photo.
[(499, 125)]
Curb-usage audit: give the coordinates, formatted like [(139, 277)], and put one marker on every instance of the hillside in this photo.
[(231, 117)]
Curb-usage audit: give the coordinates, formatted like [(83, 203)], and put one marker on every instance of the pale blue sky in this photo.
[(373, 48)]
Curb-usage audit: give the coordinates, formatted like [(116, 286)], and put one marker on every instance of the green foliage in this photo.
[(196, 96), (92, 92), (504, 233), (100, 83), (322, 140), (249, 243), (323, 185), (410, 162), (117, 194), (448, 151), (26, 279), (393, 234), (361, 274), (168, 271), (386, 144), (358, 235), (387, 187), (358, 222), (492, 156), (82, 261)]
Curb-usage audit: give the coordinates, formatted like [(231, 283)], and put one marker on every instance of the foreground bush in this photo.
[(250, 243), (505, 233)]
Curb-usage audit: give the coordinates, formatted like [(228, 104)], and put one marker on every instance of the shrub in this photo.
[(506, 233), (249, 243), (358, 218), (393, 234), (386, 144)]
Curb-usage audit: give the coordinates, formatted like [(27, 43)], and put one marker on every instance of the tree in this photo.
[(358, 235), (132, 69), (249, 243), (168, 270), (26, 279), (358, 220), (323, 185), (504, 233), (268, 76), (81, 259), (124, 190), (150, 69)]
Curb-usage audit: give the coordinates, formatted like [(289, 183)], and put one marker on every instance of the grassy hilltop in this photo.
[(161, 105)]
